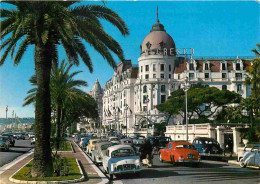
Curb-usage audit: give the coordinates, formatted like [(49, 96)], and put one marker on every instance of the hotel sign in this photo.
[(171, 51)]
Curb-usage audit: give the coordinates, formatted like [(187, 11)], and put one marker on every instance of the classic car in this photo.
[(179, 151), (11, 138), (207, 147), (137, 143), (99, 152), (32, 140), (160, 142), (92, 144), (251, 158), (120, 159), (4, 143), (114, 140), (126, 141), (85, 142)]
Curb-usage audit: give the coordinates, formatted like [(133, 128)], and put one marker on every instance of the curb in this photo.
[(233, 162), (48, 182), (101, 175)]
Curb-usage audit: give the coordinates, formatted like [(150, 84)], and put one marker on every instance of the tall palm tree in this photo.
[(64, 91), (257, 52), (46, 25)]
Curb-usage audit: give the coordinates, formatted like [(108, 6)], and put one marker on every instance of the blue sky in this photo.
[(211, 28)]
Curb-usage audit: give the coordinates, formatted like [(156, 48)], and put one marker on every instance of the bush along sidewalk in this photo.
[(65, 169)]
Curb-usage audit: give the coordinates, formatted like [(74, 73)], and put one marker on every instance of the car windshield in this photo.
[(185, 146), (210, 142), (2, 139), (128, 141), (122, 153), (104, 147), (113, 139)]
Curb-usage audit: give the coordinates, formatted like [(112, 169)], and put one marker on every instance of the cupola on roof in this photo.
[(158, 40)]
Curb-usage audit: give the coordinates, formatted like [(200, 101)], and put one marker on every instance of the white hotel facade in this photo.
[(130, 96)]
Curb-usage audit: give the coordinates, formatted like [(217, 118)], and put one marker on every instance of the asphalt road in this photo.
[(20, 147), (213, 172)]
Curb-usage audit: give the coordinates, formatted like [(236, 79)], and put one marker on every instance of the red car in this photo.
[(179, 151)]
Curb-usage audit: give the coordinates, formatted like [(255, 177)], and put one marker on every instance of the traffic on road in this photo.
[(161, 160)]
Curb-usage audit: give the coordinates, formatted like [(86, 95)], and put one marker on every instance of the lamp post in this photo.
[(186, 104), (126, 108), (147, 101)]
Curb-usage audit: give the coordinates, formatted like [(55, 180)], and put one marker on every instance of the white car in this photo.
[(32, 140), (114, 140), (251, 158), (121, 159)]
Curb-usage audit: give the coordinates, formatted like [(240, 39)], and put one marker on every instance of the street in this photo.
[(20, 147), (207, 172)]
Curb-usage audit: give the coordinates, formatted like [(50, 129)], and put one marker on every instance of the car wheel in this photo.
[(242, 163), (172, 160), (160, 157)]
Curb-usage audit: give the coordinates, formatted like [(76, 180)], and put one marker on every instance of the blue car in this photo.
[(86, 141), (207, 146)]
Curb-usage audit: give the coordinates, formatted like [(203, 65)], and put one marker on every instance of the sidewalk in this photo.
[(91, 176)]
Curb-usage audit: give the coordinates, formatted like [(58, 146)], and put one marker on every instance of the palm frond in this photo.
[(20, 52)]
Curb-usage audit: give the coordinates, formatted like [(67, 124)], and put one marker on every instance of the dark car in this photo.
[(11, 138), (126, 141), (160, 142), (207, 146)]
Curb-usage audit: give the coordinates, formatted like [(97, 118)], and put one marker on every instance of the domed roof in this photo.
[(97, 88), (157, 40)]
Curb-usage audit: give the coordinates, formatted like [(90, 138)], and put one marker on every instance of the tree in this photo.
[(64, 89), (46, 25), (197, 97)]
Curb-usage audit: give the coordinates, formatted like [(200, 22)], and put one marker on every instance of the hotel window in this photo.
[(154, 67), (162, 67), (147, 68), (163, 98), (223, 66), (224, 87), (238, 76), (154, 76), (238, 66), (191, 75), (124, 102), (170, 76), (145, 89), (170, 68), (191, 66), (145, 108), (163, 88), (145, 97), (206, 75), (224, 75), (239, 87), (162, 76), (206, 66), (141, 68), (147, 76)]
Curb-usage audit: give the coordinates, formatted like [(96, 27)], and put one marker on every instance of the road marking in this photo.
[(102, 176), (15, 161)]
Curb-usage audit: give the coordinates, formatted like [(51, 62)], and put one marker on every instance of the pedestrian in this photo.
[(230, 146)]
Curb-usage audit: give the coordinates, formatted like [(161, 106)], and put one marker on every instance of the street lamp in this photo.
[(126, 108), (147, 101), (186, 103)]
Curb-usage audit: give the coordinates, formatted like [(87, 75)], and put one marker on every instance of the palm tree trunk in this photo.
[(58, 127), (42, 163)]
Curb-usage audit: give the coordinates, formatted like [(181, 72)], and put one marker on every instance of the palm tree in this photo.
[(64, 91), (46, 25), (257, 52)]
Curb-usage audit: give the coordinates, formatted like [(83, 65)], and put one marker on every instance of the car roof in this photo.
[(204, 138), (4, 136), (180, 142), (120, 146), (103, 143), (113, 137)]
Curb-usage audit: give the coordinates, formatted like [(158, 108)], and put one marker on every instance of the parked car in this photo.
[(92, 144), (241, 153), (4, 143), (31, 134), (86, 142), (121, 159), (137, 143), (126, 141), (160, 142), (179, 151), (251, 158), (32, 140), (11, 138), (99, 152), (207, 147), (114, 140)]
